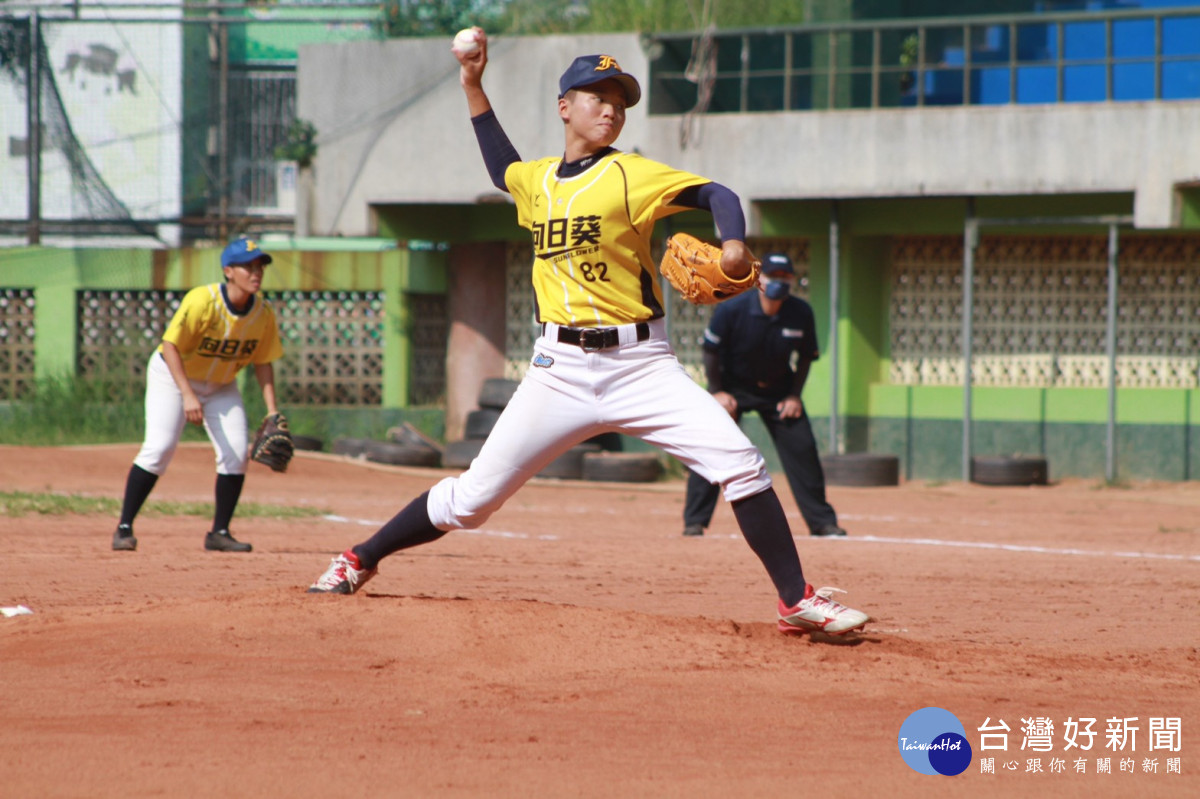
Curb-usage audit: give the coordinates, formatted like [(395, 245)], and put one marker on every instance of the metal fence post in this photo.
[(1110, 344), (970, 241), (33, 134), (834, 298)]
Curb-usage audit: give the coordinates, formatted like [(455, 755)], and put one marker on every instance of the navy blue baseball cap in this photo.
[(589, 69), (242, 251), (775, 262)]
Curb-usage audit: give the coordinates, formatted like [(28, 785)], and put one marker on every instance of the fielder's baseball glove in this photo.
[(694, 267), (273, 443)]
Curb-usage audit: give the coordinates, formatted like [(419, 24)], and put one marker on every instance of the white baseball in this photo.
[(465, 42)]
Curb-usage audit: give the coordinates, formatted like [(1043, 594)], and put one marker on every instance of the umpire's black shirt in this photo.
[(755, 350)]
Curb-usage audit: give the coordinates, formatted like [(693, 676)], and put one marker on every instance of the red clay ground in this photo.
[(579, 646)]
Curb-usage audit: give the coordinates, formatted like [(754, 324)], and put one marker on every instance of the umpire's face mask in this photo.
[(776, 289)]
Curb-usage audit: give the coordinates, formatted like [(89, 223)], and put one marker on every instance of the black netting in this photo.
[(92, 200)]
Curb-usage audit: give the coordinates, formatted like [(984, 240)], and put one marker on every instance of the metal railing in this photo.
[(1109, 55), (248, 113)]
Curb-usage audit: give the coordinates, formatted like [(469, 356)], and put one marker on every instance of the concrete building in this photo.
[(897, 159)]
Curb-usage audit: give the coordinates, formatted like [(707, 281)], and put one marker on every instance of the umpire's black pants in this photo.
[(797, 449)]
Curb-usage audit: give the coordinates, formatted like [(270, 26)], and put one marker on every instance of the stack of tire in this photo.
[(874, 469), (405, 446), (308, 443), (861, 469), (599, 458), (1010, 470)]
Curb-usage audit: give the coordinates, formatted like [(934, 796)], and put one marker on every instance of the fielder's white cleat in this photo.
[(345, 575), (818, 613)]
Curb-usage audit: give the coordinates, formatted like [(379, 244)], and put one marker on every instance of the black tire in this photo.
[(569, 465), (1009, 470), (410, 436), (861, 469), (459, 454), (350, 447), (480, 423), (496, 392), (308, 443), (622, 467), (401, 454), (610, 442)]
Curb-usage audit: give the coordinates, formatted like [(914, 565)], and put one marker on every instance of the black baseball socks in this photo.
[(408, 528), (765, 528)]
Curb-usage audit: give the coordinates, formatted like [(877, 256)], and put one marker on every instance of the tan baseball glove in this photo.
[(273, 443), (694, 268)]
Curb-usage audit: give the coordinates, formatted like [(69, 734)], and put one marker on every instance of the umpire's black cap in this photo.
[(776, 262), (589, 69)]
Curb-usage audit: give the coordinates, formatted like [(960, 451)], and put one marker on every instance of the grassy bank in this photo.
[(20, 503)]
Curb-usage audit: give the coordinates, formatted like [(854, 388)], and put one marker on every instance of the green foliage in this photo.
[(70, 411), (300, 145), (65, 410), (908, 50), (908, 58), (440, 17), (535, 17), (20, 503), (650, 16)]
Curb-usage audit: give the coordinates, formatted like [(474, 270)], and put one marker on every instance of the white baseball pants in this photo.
[(569, 395), (224, 421)]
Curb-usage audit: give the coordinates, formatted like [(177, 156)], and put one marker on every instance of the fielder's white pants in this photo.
[(224, 420), (569, 395)]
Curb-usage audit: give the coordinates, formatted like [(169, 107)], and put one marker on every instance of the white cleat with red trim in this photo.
[(818, 613), (345, 575)]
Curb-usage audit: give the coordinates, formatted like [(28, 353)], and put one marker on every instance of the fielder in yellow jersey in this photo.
[(603, 363), (217, 331), (216, 342)]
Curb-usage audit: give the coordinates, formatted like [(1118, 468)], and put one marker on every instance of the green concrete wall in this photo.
[(923, 424), (57, 274), (1157, 430)]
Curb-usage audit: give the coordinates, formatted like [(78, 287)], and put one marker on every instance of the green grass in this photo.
[(74, 411), (69, 410), (20, 503)]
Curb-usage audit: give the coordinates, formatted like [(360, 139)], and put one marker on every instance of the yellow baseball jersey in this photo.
[(216, 342), (591, 235)]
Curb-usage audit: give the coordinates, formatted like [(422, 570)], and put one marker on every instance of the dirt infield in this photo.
[(577, 645)]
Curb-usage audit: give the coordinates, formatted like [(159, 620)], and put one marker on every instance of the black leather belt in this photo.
[(591, 339)]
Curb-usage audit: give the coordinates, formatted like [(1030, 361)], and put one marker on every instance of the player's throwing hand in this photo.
[(473, 60)]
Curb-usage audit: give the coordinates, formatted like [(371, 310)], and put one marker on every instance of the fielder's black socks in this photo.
[(138, 486), (765, 528), (228, 490)]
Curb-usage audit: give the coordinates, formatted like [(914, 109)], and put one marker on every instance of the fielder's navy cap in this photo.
[(589, 69), (242, 251), (774, 262)]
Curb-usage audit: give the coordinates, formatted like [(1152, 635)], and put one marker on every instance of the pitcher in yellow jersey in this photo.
[(218, 330), (603, 362)]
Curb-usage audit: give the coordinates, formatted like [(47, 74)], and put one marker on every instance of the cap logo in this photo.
[(250, 245), (607, 62)]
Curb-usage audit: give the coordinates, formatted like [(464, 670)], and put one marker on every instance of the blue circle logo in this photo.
[(934, 741)]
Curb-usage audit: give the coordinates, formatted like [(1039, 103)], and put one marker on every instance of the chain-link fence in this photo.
[(160, 123)]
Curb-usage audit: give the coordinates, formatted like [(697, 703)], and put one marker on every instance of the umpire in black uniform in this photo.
[(758, 348)]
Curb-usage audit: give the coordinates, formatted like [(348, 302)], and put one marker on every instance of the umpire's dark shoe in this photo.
[(831, 531), (123, 540), (222, 541), (693, 529)]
